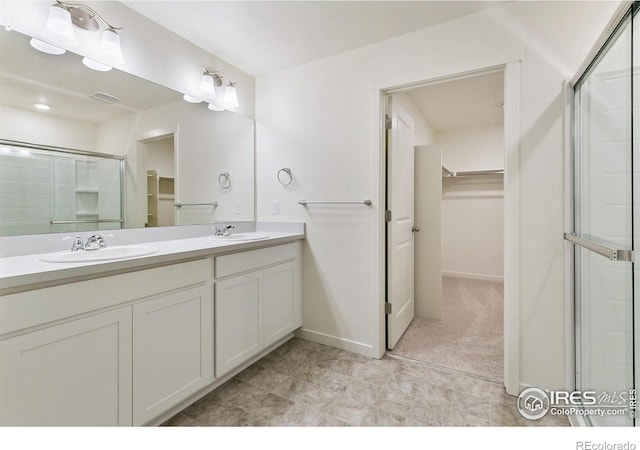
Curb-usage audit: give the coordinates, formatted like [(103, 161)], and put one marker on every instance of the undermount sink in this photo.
[(103, 254), (242, 237)]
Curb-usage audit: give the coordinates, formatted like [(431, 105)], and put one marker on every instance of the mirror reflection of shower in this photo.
[(160, 167)]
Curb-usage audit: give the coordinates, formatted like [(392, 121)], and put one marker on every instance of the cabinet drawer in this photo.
[(254, 259), (32, 308)]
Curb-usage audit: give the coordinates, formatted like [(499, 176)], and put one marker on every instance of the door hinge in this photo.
[(387, 123), (387, 308), (387, 215)]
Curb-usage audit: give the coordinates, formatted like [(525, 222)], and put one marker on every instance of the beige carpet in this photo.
[(470, 336)]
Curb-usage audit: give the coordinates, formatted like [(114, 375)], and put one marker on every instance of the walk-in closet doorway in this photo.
[(445, 224)]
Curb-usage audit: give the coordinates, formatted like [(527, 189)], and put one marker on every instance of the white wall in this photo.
[(474, 148), (160, 157), (330, 141), (41, 128), (473, 208)]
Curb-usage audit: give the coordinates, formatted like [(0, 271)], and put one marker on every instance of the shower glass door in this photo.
[(604, 225)]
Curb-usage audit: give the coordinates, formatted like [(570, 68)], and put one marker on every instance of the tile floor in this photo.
[(303, 383)]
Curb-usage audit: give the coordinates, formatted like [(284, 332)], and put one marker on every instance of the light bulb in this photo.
[(45, 47), (110, 46), (42, 106), (231, 97), (59, 23), (95, 65)]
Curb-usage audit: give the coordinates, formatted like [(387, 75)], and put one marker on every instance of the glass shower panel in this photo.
[(604, 215)]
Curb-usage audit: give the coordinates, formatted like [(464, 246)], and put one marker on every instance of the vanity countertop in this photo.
[(19, 273)]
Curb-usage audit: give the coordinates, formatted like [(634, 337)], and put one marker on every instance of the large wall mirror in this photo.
[(113, 149)]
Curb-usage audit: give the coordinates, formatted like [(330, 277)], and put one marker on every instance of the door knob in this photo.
[(415, 229)]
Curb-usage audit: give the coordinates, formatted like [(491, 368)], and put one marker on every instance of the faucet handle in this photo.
[(77, 243)]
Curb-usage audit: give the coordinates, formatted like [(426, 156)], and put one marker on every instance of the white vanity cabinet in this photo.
[(173, 350), (117, 350), (257, 302), (72, 374)]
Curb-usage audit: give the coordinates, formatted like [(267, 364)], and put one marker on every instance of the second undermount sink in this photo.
[(104, 254), (242, 237)]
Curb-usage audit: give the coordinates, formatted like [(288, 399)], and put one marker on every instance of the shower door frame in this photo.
[(572, 199)]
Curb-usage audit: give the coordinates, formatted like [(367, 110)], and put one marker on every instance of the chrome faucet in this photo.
[(226, 231), (95, 242)]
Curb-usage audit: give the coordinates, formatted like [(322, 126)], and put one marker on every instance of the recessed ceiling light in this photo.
[(42, 106)]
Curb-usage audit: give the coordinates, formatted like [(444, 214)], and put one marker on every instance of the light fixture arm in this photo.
[(218, 77), (91, 11)]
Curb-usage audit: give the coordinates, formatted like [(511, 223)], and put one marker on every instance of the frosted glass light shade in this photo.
[(206, 85), (190, 99), (95, 65), (110, 46), (213, 107), (46, 47), (231, 97), (59, 23)]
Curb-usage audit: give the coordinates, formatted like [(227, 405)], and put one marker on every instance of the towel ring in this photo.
[(224, 180), (287, 173)]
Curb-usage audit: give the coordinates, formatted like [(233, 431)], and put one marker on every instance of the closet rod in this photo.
[(450, 173)]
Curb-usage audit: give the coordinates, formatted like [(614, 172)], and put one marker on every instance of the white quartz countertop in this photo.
[(29, 272)]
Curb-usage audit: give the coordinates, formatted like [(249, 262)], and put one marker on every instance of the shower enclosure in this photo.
[(606, 224), (47, 189)]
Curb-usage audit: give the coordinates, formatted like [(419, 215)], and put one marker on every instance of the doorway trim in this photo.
[(511, 69)]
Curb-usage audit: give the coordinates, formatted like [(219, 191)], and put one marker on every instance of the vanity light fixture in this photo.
[(60, 22), (216, 79), (95, 65), (213, 107), (191, 99)]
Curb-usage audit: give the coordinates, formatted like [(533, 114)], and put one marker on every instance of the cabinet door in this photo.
[(172, 350), (281, 301), (74, 374), (238, 317)]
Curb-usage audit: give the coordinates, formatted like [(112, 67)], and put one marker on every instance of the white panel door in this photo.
[(400, 243), (281, 301), (172, 350), (238, 320), (74, 374)]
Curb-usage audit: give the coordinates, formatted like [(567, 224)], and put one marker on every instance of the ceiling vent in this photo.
[(104, 97)]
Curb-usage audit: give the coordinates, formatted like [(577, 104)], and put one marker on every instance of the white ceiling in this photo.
[(260, 37), (464, 103)]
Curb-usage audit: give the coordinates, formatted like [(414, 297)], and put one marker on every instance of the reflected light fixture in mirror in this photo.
[(60, 22)]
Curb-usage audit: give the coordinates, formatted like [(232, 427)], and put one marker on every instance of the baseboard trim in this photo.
[(473, 276), (337, 342)]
